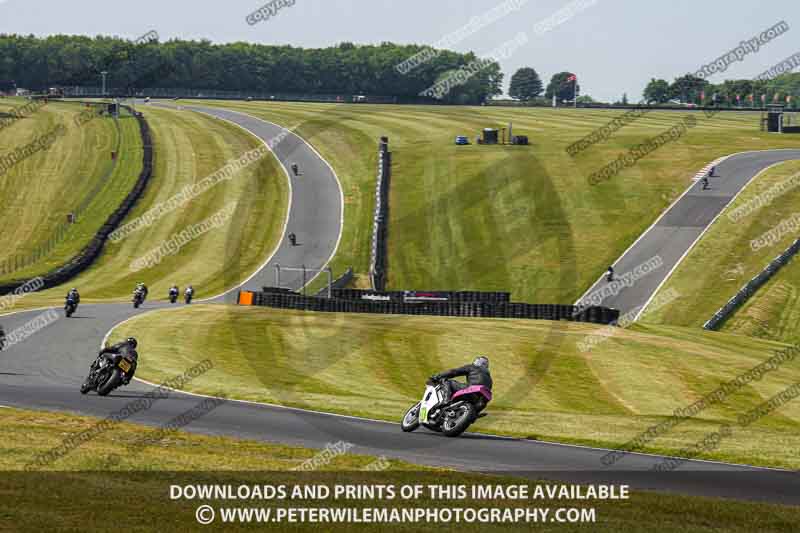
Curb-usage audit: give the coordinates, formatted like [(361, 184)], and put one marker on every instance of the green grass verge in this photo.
[(40, 191), (723, 261), (67, 499), (545, 386), (189, 147), (522, 219)]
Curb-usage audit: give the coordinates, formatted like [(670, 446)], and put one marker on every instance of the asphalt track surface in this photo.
[(673, 235), (45, 372)]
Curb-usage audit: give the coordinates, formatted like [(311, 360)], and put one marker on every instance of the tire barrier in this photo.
[(83, 259), (404, 296), (751, 287), (286, 299), (377, 265), (338, 283)]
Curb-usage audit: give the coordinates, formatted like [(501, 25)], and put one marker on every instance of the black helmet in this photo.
[(132, 342), (481, 361)]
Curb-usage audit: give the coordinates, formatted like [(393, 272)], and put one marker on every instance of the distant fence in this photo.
[(285, 299), (752, 286), (173, 92), (91, 251), (380, 225)]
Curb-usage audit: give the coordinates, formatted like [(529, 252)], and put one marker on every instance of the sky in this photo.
[(614, 46)]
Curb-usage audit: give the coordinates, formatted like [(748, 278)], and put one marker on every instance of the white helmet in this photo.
[(481, 361)]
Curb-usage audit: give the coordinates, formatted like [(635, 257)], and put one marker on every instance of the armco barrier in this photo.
[(338, 283), (91, 251), (284, 299), (751, 287), (377, 267)]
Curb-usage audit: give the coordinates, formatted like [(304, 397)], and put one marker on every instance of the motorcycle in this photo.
[(70, 307), (451, 418), (107, 373), (188, 297), (173, 296), (138, 299)]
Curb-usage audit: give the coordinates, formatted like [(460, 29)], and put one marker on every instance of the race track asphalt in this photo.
[(673, 235), (45, 371)]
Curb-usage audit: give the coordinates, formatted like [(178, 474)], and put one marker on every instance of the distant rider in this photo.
[(610, 274), (189, 292), (477, 374), (295, 169), (293, 239), (2, 338), (141, 287), (74, 296), (124, 348), (174, 291)]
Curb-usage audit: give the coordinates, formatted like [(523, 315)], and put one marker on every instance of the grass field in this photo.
[(38, 192), (723, 261), (189, 147), (503, 217), (545, 387), (65, 496)]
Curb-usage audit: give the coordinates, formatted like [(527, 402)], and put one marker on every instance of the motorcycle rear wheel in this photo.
[(111, 383), (453, 427)]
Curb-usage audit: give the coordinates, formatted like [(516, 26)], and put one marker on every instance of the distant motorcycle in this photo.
[(187, 297), (450, 418), (138, 299), (107, 373), (70, 307), (173, 296)]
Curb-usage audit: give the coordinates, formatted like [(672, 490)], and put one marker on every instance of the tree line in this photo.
[(527, 86), (784, 88), (37, 63)]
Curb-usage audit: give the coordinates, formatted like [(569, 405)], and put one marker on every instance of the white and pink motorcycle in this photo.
[(450, 418)]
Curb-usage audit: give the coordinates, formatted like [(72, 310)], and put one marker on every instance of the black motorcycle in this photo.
[(107, 373), (70, 307), (138, 299), (173, 296), (188, 297)]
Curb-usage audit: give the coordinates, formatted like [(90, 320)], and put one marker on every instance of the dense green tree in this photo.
[(657, 91), (525, 84), (40, 62), (687, 88), (562, 87)]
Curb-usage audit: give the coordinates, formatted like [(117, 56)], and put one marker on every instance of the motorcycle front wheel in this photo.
[(410, 420)]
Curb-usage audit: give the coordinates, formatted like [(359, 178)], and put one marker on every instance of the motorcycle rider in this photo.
[(477, 373), (295, 169), (143, 288), (124, 348), (174, 291), (2, 338), (74, 296), (189, 291)]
